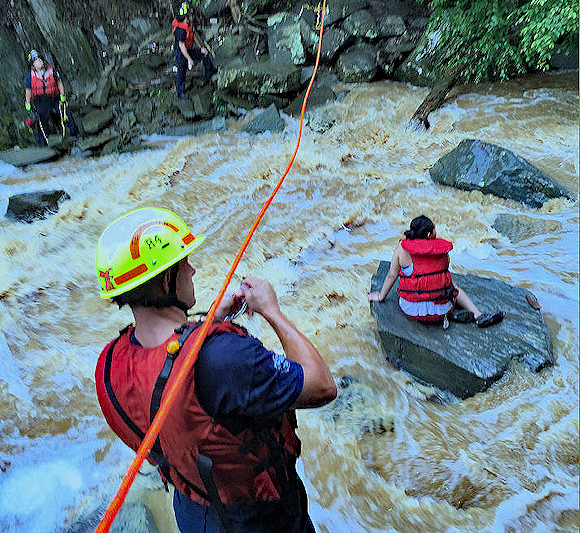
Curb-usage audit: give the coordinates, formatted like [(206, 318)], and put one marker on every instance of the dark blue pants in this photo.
[(196, 55), (47, 109)]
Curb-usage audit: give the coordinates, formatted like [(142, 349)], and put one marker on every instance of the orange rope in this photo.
[(155, 428)]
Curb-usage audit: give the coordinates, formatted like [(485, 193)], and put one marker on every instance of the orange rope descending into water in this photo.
[(151, 435)]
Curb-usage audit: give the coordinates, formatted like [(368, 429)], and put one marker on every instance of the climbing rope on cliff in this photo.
[(151, 435)]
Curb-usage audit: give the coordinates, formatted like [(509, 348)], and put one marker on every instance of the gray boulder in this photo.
[(424, 66), (340, 9), (333, 42), (357, 64), (491, 169), (138, 73), (518, 228), (390, 54), (28, 156), (94, 143), (101, 95), (391, 26), (198, 128), (268, 120), (97, 119), (32, 205), (260, 78), (361, 24), (285, 39), (464, 359)]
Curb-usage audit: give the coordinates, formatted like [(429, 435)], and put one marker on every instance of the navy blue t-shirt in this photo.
[(236, 381)]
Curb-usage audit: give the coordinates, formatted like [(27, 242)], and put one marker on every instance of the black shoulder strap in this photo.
[(156, 452)]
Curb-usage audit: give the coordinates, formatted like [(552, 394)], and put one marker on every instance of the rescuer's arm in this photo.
[(319, 387), (185, 53)]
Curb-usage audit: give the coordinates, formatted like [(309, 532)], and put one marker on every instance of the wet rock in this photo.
[(143, 110), (358, 409), (518, 228), (229, 48), (33, 205), (390, 54), (285, 39), (268, 120), (357, 64), (491, 169), (391, 26), (361, 24), (202, 104), (198, 128), (100, 34), (260, 78), (332, 44), (212, 8), (185, 106), (94, 143), (100, 97), (424, 66), (28, 156), (137, 73), (96, 120), (563, 61), (131, 518), (340, 9), (464, 359)]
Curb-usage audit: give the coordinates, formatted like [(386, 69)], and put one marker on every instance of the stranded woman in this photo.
[(426, 291)]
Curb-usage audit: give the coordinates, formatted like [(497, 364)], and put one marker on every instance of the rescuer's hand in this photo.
[(230, 305), (260, 296)]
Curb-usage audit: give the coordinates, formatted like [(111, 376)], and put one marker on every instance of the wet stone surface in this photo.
[(464, 359)]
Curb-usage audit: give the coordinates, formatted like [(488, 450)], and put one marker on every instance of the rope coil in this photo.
[(153, 431)]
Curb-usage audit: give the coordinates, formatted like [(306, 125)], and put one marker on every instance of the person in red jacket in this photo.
[(45, 96), (229, 444), (186, 54), (426, 290)]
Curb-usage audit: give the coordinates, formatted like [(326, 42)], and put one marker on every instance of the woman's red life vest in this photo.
[(250, 466), (430, 279), (188, 33), (46, 85)]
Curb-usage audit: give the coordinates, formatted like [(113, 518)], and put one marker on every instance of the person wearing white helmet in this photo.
[(45, 96), (229, 444)]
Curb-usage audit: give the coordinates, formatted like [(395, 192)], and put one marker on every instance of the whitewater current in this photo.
[(383, 457)]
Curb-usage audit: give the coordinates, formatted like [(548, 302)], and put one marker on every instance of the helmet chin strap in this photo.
[(170, 299)]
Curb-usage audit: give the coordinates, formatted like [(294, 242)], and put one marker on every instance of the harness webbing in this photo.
[(153, 431), (413, 275)]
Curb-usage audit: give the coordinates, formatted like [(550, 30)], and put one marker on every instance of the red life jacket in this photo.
[(188, 33), (430, 279), (43, 85), (249, 466)]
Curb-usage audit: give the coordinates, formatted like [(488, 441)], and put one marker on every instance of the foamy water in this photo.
[(387, 461)]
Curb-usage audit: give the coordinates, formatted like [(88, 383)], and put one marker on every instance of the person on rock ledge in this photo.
[(426, 291), (184, 51), (44, 97)]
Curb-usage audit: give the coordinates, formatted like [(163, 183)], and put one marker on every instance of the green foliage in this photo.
[(491, 39)]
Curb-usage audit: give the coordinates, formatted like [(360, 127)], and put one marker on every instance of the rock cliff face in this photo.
[(116, 58)]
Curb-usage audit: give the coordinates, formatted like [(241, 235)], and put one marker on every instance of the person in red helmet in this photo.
[(229, 444), (44, 97)]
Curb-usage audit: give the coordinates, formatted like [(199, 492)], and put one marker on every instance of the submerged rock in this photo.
[(518, 228), (491, 169), (32, 205), (198, 128), (464, 359), (268, 120)]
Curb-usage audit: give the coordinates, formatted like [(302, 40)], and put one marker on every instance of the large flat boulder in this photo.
[(492, 169), (28, 156), (30, 206), (464, 359)]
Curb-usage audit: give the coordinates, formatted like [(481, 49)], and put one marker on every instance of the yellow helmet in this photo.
[(183, 9), (139, 245)]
